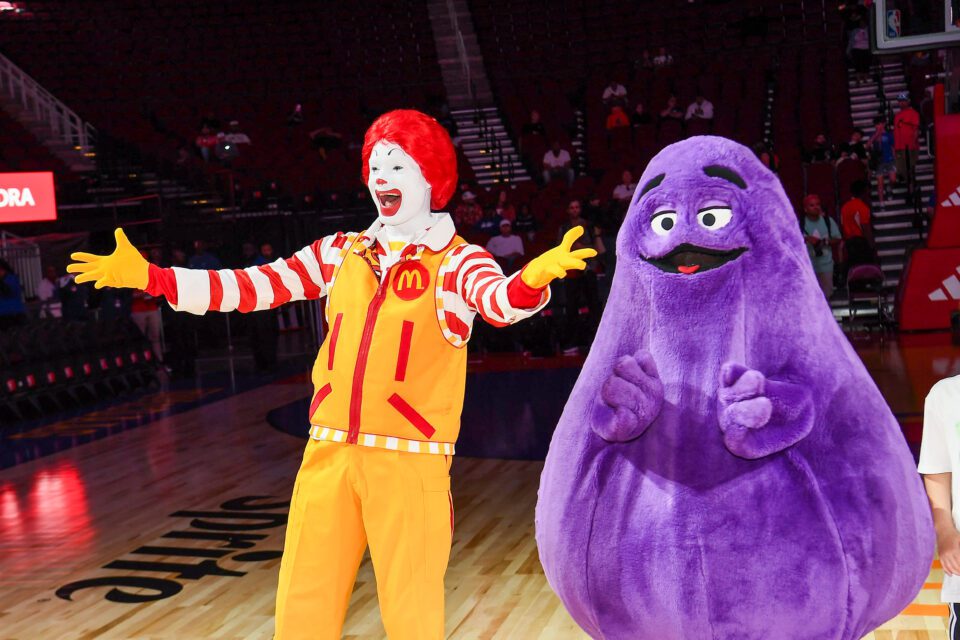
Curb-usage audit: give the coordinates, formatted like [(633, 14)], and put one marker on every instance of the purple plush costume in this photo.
[(725, 467)]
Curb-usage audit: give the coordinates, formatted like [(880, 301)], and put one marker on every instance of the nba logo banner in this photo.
[(27, 197), (893, 23)]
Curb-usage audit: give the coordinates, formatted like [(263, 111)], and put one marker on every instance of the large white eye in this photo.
[(714, 218), (663, 221)]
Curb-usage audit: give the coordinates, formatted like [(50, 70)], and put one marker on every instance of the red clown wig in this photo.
[(423, 139)]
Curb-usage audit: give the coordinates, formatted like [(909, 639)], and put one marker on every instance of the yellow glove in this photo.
[(554, 263), (125, 267)]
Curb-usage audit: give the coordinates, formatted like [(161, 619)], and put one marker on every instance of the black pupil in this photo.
[(667, 223), (709, 219)]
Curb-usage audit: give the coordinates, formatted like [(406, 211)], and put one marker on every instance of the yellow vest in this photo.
[(386, 375)]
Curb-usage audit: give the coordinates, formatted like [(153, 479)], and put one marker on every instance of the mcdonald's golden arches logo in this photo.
[(411, 280)]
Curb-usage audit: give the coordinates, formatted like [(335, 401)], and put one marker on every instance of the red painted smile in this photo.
[(389, 201)]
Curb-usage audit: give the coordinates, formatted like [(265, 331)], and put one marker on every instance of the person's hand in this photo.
[(554, 263), (125, 267), (948, 548)]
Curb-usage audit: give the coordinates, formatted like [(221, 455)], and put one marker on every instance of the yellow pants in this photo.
[(348, 496)]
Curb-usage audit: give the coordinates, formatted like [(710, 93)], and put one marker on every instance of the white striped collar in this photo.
[(436, 236)]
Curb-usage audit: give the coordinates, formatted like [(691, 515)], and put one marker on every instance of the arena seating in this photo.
[(21, 151), (52, 365), (167, 63)]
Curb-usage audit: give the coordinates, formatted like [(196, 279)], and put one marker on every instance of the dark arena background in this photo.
[(228, 133)]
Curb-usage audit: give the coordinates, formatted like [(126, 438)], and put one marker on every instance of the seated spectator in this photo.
[(883, 159), (489, 223), (206, 142), (525, 223), (296, 116), (534, 127), (325, 140), (767, 157), (615, 94), (507, 248), (822, 150), (671, 111), (504, 209), (645, 61), (662, 59), (617, 118), (48, 292), (623, 192), (557, 163), (639, 116), (235, 136), (700, 109), (202, 258), (855, 148), (856, 227), (12, 309), (468, 212)]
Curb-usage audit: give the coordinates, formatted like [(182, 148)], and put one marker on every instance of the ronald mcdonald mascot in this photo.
[(389, 380)]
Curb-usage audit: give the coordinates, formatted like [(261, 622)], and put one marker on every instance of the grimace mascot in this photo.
[(725, 467)]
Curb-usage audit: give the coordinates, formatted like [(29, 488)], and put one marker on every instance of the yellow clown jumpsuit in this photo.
[(388, 393)]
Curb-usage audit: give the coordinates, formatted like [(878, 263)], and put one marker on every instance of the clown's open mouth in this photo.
[(389, 201), (688, 258)]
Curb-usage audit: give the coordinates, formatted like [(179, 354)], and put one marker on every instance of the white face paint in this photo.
[(396, 184)]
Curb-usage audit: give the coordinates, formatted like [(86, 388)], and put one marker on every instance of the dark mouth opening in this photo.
[(688, 259), (388, 198)]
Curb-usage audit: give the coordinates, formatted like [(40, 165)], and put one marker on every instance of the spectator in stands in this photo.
[(145, 313), (858, 50), (645, 61), (48, 292), (526, 224), (821, 234), (210, 121), (906, 141), (202, 258), (534, 127), (767, 157), (206, 142), (12, 309), (856, 226), (855, 148), (822, 150), (235, 136), (489, 223), (73, 298), (623, 192), (580, 287), (468, 212), (615, 95), (672, 110), (883, 159), (617, 118), (662, 59), (639, 116), (504, 209), (507, 247), (557, 164), (296, 116), (700, 109), (325, 140)]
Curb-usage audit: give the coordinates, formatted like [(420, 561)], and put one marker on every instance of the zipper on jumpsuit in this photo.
[(363, 354)]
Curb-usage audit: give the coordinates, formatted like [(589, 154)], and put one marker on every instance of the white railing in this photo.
[(461, 48), (29, 95), (24, 257)]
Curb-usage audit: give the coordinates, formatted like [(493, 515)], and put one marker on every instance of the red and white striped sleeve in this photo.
[(307, 275), (482, 285)]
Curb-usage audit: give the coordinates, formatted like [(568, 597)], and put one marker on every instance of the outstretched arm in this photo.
[(304, 276), (500, 300), (759, 416)]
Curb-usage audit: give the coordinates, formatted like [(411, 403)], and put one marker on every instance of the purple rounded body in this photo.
[(725, 466)]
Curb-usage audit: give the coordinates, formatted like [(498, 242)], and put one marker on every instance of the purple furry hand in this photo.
[(635, 394), (759, 416)]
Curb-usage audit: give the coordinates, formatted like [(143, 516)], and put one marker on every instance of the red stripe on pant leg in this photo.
[(334, 334), (414, 418), (405, 335), (216, 291), (322, 393), (248, 293)]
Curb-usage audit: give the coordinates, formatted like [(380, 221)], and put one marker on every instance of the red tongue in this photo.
[(688, 269)]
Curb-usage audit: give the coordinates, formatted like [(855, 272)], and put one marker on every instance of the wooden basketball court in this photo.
[(173, 531)]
